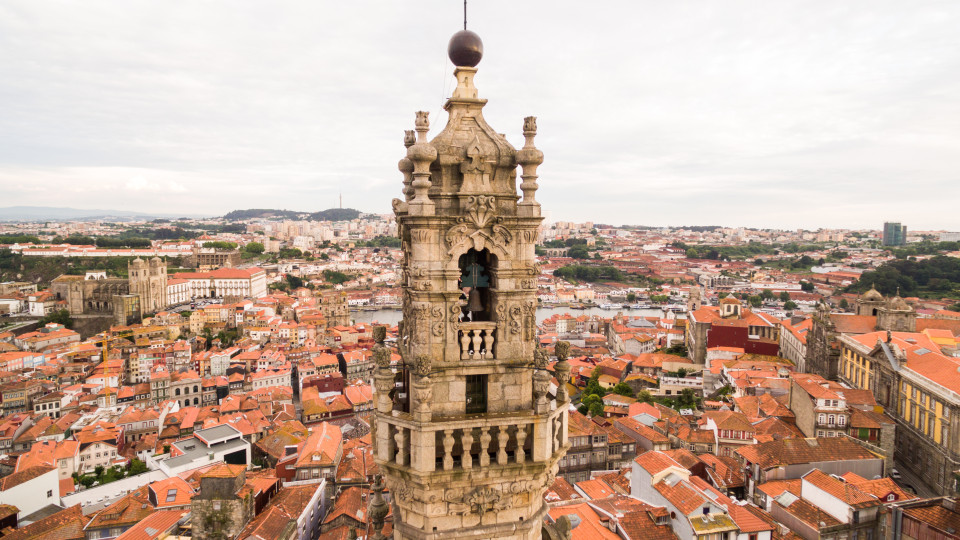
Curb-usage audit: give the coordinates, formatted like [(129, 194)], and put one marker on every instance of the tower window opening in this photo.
[(476, 394), (475, 284)]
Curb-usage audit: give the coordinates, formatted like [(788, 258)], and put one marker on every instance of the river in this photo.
[(393, 316)]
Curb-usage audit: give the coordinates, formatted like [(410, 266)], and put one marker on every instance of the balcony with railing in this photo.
[(463, 443), (477, 340)]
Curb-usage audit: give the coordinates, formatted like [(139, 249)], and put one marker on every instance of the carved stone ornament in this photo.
[(379, 333), (422, 121), (462, 234), (540, 359), (455, 313), (381, 355), (422, 365), (530, 124), (479, 501), (515, 326), (438, 317), (562, 350), (501, 312), (541, 384), (423, 394), (482, 210)]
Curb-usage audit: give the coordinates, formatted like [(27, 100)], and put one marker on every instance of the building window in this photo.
[(476, 394)]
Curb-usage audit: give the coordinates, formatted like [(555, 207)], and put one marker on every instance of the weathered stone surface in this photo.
[(470, 452)]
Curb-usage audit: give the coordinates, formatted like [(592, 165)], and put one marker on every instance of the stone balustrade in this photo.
[(477, 340), (464, 443)]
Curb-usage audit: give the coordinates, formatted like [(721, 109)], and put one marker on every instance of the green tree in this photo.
[(137, 467), (645, 396), (806, 286), (578, 252), (766, 294), (755, 301), (290, 253), (687, 399), (623, 389), (844, 305), (335, 277), (784, 296), (789, 305), (61, 316), (294, 281), (218, 244), (631, 297), (255, 248)]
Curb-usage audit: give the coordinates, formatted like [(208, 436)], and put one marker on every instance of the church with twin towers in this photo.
[(467, 434)]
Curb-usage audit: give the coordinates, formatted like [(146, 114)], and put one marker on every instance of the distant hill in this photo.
[(51, 213), (331, 214)]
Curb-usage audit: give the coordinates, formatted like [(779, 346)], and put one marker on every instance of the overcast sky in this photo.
[(768, 114)]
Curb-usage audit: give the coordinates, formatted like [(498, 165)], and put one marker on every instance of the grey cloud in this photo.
[(783, 114)]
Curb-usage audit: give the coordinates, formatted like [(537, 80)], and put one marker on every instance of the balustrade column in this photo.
[(485, 446), (402, 450), (502, 437), (466, 443), (476, 344), (521, 438), (447, 449), (465, 345), (488, 343)]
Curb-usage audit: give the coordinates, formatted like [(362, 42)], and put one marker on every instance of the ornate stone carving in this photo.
[(379, 333), (438, 318), (381, 356), (562, 350), (476, 169), (541, 384), (478, 501), (527, 236), (515, 326), (455, 313), (422, 365), (463, 235), (421, 235), (540, 359), (482, 210), (422, 121), (423, 393), (422, 154), (529, 158)]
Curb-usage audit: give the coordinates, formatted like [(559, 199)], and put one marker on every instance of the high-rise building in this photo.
[(466, 434), (894, 234)]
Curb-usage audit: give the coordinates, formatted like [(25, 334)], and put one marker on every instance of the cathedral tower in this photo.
[(465, 434), (149, 281)]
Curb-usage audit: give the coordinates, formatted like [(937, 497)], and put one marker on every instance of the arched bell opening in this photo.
[(476, 283)]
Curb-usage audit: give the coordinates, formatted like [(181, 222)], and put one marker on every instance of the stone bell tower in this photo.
[(466, 437)]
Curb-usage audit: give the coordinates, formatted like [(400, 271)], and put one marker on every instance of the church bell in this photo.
[(474, 304)]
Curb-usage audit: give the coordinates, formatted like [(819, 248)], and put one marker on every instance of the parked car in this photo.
[(895, 474)]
